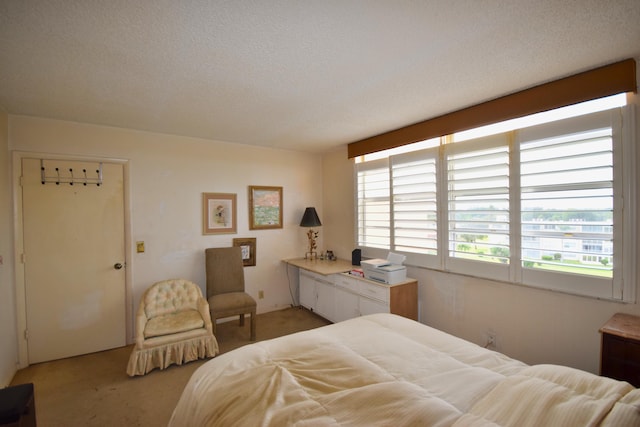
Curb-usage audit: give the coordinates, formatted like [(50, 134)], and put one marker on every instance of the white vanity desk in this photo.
[(327, 289)]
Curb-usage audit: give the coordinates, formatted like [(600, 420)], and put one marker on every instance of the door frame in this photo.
[(20, 285)]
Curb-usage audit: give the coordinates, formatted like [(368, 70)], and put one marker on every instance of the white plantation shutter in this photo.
[(414, 207), (567, 199), (374, 211), (478, 203), (567, 204), (549, 203)]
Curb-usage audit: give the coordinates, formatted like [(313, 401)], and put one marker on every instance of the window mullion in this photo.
[(515, 238), (443, 205), (392, 222), (625, 135)]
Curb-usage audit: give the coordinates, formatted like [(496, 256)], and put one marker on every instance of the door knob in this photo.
[(117, 266)]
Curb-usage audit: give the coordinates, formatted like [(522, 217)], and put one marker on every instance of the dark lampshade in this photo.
[(310, 218)]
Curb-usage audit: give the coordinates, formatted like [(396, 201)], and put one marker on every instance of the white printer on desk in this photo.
[(389, 271)]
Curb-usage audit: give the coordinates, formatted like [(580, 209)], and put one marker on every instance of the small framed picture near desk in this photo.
[(265, 207), (248, 246), (218, 213)]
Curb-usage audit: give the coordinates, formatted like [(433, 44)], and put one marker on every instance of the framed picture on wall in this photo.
[(248, 246), (265, 207), (218, 213)]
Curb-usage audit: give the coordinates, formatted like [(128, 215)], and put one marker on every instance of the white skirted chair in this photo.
[(173, 326)]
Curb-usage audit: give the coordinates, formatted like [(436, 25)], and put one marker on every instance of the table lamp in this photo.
[(310, 219)]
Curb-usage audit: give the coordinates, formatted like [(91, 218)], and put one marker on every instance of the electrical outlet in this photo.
[(490, 340), (260, 294)]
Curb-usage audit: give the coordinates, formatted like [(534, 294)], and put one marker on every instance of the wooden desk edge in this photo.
[(323, 267)]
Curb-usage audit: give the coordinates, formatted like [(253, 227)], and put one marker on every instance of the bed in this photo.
[(386, 370)]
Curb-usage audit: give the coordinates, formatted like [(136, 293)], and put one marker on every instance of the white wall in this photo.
[(339, 207), (168, 175), (532, 325), (8, 343)]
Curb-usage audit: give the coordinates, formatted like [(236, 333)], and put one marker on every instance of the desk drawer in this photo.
[(371, 290), (315, 276), (347, 282)]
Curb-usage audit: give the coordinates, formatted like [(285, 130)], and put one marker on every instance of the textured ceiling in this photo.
[(303, 75)]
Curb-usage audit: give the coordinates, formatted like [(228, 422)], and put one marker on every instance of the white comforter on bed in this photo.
[(385, 370)]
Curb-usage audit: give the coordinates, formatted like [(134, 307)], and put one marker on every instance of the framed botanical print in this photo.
[(265, 207), (218, 213)]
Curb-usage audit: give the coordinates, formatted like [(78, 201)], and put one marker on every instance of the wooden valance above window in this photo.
[(600, 82)]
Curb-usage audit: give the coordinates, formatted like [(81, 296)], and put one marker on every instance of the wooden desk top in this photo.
[(323, 267), (623, 325)]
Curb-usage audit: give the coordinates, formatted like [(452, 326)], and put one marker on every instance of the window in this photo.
[(478, 205), (567, 171), (374, 217), (414, 205), (567, 184), (536, 201)]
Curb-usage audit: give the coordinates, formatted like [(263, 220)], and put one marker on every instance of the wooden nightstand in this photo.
[(620, 357)]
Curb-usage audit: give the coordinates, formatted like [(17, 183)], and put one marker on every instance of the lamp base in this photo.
[(311, 255)]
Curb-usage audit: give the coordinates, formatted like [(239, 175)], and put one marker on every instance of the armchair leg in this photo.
[(242, 320)]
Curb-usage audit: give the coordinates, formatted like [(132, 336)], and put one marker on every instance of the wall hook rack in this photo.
[(59, 177)]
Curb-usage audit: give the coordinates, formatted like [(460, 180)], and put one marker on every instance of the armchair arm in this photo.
[(141, 322), (203, 309)]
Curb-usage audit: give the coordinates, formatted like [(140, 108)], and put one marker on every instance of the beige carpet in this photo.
[(94, 390)]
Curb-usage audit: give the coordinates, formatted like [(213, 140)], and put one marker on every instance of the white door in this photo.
[(74, 253), (307, 291), (346, 305)]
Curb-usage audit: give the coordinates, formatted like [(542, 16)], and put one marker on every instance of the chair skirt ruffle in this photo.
[(143, 361)]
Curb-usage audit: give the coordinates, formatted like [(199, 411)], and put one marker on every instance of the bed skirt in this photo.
[(143, 361)]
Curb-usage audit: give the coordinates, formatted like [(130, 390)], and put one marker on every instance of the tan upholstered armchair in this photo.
[(173, 325), (225, 286)]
